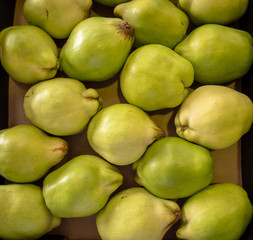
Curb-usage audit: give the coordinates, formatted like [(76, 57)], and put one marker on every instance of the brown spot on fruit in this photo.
[(126, 29), (184, 127)]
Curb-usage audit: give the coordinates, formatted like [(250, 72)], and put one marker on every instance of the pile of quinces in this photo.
[(159, 49)]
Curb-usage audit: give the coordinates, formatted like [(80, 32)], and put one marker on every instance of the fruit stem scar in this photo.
[(126, 29), (182, 81), (127, 26), (159, 133), (184, 127), (178, 216)]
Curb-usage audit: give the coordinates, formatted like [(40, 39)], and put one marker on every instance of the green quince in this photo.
[(214, 116), (174, 168), (28, 54), (136, 214), (221, 211), (206, 11), (23, 213), (97, 48), (121, 133), (80, 187), (27, 153), (155, 77), (157, 21), (61, 106), (58, 17), (219, 54)]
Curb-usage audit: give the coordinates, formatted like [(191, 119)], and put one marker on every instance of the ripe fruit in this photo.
[(97, 48), (174, 168), (80, 187), (221, 212), (61, 106), (23, 212), (214, 116), (155, 77), (121, 133), (136, 214), (27, 153), (57, 17), (28, 54), (157, 21), (219, 54)]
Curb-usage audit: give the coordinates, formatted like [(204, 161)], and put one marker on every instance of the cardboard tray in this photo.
[(233, 164)]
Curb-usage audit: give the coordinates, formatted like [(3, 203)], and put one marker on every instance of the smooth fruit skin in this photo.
[(214, 116), (28, 54), (173, 168), (221, 212), (121, 133), (27, 153), (155, 77), (23, 213), (111, 3), (57, 17), (206, 11), (97, 48), (80, 187), (136, 214), (219, 54), (61, 106), (157, 21)]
